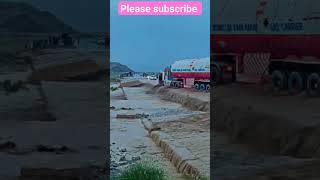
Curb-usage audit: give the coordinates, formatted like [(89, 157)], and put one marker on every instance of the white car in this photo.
[(152, 77)]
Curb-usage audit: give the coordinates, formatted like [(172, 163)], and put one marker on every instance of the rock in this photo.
[(132, 116), (135, 158), (7, 145), (123, 158), (141, 116), (123, 163), (123, 150), (131, 84), (114, 165), (126, 116), (126, 108), (57, 150)]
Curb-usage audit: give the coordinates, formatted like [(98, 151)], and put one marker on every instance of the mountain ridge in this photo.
[(118, 68), (23, 17)]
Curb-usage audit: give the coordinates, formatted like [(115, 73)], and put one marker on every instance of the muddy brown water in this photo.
[(258, 134)]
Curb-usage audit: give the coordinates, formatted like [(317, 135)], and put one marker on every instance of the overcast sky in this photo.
[(83, 15), (150, 43)]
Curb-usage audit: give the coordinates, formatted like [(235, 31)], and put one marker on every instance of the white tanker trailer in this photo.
[(192, 73)]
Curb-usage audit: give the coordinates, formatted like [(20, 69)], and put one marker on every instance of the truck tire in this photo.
[(180, 84), (172, 84), (208, 87), (296, 83), (176, 85), (197, 86), (313, 85), (202, 87), (215, 75), (279, 80)]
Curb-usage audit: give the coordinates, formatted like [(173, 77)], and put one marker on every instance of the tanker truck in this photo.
[(190, 73), (267, 40)]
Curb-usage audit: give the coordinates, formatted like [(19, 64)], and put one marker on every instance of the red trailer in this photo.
[(191, 73), (268, 39)]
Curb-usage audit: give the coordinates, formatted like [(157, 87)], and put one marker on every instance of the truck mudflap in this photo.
[(176, 84)]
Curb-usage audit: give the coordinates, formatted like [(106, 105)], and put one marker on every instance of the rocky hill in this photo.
[(117, 68), (22, 17)]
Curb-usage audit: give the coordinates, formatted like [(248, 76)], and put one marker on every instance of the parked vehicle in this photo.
[(152, 77)]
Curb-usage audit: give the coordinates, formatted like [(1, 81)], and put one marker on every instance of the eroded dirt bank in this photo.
[(54, 130), (281, 125), (256, 134), (130, 142), (278, 134), (188, 98)]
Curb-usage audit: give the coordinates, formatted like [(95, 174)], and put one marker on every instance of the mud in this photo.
[(67, 72), (180, 157), (253, 140), (132, 116), (186, 143), (264, 136), (130, 142), (135, 83), (265, 131), (45, 129), (184, 99)]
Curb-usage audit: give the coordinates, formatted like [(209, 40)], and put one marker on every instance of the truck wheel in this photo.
[(176, 85), (216, 75), (313, 85), (208, 87), (279, 80), (181, 85), (172, 84), (296, 83), (202, 87), (197, 86)]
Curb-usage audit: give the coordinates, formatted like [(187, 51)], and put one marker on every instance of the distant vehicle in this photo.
[(152, 77)]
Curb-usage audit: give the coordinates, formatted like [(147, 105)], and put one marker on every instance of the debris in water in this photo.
[(7, 145), (126, 116), (57, 149), (123, 150), (126, 108), (132, 116)]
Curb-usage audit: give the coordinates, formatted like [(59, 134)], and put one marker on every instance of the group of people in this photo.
[(54, 41)]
